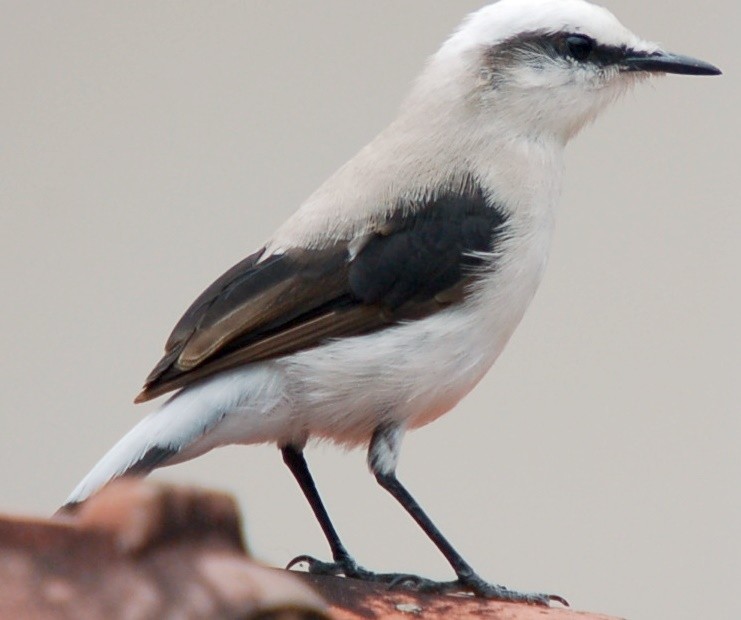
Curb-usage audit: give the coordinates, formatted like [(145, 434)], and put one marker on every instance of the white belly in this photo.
[(415, 372)]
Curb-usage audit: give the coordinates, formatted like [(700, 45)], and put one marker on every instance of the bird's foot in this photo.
[(349, 568), (473, 584), (344, 566), (467, 584)]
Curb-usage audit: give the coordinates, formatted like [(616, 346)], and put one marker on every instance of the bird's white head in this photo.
[(544, 67)]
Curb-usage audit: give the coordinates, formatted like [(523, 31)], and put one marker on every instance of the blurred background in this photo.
[(146, 147)]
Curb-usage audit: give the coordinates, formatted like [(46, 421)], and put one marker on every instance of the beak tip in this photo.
[(664, 62)]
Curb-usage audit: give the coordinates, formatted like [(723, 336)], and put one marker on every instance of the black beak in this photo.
[(663, 62)]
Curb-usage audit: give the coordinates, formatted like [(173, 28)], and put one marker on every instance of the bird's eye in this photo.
[(579, 47)]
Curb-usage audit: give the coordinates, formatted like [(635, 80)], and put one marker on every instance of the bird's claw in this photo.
[(348, 567), (473, 584), (477, 587), (467, 584), (345, 566)]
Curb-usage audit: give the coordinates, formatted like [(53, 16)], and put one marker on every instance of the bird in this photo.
[(391, 291)]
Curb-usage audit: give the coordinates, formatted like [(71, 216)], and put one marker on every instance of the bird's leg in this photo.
[(382, 459), (343, 562)]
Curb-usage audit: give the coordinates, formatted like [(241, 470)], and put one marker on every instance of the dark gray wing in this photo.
[(416, 262)]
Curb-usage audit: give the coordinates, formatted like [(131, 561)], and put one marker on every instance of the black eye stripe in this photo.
[(571, 46)]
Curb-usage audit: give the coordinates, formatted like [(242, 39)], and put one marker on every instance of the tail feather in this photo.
[(241, 406), (154, 442), (154, 457)]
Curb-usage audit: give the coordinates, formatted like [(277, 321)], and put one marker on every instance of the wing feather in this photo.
[(416, 263)]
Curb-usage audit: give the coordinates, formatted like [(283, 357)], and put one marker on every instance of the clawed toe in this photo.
[(346, 567), (349, 568), (300, 558), (477, 587), (473, 584), (467, 584), (317, 567), (416, 583)]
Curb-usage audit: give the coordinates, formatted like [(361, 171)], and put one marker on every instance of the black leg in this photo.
[(343, 563), (297, 464), (382, 457), (393, 486)]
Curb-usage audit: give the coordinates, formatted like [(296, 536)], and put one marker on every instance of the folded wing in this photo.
[(419, 260)]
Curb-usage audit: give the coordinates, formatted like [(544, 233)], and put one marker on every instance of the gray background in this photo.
[(147, 146)]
